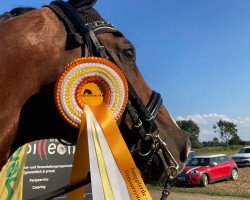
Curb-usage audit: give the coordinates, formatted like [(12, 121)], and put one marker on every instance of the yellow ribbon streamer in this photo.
[(103, 171)]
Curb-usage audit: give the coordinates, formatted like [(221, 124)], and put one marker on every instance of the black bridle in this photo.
[(150, 146)]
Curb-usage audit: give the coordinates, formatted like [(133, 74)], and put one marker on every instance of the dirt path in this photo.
[(156, 195)]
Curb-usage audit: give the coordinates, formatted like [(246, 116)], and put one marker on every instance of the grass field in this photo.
[(217, 150)]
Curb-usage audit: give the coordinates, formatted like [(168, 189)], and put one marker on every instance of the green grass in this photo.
[(198, 190), (219, 150)]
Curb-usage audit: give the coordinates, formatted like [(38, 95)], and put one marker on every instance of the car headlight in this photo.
[(195, 171)]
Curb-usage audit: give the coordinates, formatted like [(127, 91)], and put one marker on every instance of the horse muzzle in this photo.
[(154, 159)]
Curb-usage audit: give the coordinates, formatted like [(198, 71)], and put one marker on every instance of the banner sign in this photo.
[(48, 166)]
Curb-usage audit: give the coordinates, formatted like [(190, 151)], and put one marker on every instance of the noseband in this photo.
[(150, 144)]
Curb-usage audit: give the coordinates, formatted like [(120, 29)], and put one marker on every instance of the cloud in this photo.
[(244, 121), (206, 122), (205, 118)]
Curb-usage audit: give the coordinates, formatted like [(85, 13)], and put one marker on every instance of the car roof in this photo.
[(210, 156), (246, 147)]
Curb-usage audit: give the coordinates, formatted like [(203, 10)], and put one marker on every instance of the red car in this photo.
[(202, 170)]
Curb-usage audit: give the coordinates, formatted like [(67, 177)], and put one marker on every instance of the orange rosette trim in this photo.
[(91, 81)]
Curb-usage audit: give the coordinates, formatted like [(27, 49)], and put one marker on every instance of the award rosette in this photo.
[(91, 94)]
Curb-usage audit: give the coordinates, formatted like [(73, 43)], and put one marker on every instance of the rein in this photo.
[(150, 145)]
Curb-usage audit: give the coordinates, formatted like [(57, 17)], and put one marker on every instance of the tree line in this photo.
[(227, 132)]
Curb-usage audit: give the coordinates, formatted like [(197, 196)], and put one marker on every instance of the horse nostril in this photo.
[(185, 152)]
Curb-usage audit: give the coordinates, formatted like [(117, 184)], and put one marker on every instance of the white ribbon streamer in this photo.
[(96, 183)]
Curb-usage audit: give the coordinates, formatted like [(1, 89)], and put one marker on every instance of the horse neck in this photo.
[(33, 56)]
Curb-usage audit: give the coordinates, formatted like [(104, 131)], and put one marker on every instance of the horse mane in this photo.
[(15, 12), (84, 8), (20, 11), (88, 13)]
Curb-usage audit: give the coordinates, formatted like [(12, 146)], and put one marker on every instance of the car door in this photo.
[(214, 169), (225, 166)]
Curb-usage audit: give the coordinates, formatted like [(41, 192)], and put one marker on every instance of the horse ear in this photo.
[(83, 4)]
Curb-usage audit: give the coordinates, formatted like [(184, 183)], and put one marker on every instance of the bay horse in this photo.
[(35, 47)]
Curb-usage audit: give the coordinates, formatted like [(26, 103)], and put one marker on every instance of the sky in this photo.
[(195, 53)]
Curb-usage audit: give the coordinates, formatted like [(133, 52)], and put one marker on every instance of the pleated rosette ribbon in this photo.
[(91, 94)]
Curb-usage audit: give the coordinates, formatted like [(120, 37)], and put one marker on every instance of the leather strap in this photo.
[(71, 14), (154, 103)]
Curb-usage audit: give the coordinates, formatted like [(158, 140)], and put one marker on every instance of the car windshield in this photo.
[(191, 155), (245, 150), (198, 162)]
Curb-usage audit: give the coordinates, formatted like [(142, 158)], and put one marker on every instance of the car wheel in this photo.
[(204, 180), (234, 174)]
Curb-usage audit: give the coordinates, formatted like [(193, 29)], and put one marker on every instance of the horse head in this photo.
[(38, 46), (176, 141)]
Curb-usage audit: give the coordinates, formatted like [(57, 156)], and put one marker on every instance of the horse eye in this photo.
[(129, 54)]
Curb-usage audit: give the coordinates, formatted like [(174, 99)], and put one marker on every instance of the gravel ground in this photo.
[(242, 185), (156, 195)]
